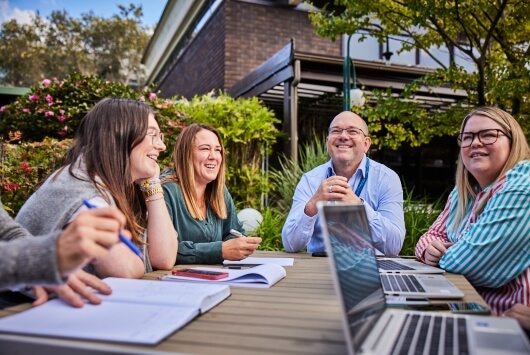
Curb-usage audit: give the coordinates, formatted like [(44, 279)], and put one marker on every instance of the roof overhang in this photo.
[(176, 20), (321, 80)]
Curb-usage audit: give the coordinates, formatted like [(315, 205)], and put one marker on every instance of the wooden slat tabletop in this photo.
[(298, 315)]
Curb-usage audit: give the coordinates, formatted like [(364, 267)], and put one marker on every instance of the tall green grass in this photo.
[(420, 214)]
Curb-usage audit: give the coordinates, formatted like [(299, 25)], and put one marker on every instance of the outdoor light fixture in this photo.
[(352, 95), (387, 54)]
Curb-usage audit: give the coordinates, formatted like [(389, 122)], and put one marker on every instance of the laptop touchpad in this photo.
[(501, 341), (436, 283)]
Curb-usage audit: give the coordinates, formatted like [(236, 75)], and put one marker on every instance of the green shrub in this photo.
[(420, 214), (24, 165), (55, 107), (288, 175), (270, 229)]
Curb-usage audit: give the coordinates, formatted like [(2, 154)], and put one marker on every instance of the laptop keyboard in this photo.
[(426, 334), (392, 265), (401, 283)]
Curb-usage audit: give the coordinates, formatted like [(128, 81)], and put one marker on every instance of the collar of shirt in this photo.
[(356, 176)]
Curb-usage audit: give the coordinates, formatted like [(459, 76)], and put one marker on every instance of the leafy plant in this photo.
[(270, 229), (24, 165), (288, 175), (420, 214)]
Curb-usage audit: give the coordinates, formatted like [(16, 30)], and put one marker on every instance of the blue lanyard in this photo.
[(363, 180), (360, 187)]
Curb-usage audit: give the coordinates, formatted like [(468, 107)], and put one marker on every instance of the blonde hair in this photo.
[(184, 174), (466, 184)]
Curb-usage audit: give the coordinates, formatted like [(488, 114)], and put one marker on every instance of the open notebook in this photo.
[(371, 328), (137, 311)]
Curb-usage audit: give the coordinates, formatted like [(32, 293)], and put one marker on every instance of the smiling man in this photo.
[(350, 176)]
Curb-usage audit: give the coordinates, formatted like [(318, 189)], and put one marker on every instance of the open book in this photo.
[(137, 311), (262, 276)]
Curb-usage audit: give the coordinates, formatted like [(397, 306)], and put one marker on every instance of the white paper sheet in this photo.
[(256, 260)]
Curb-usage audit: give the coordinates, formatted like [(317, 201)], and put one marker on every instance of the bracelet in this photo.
[(153, 191), (153, 199), (148, 184)]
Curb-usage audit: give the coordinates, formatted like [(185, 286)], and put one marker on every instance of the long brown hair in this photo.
[(105, 138), (184, 173), (466, 184)]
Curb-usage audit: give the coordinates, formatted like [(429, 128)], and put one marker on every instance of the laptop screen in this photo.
[(354, 268)]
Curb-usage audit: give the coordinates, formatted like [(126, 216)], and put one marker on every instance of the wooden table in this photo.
[(298, 315)]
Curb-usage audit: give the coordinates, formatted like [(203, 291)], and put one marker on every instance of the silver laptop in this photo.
[(354, 230), (371, 328), (406, 266)]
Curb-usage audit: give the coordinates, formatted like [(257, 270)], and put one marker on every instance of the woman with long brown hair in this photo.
[(113, 161)]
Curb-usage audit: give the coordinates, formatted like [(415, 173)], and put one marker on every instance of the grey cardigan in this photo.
[(51, 207), (26, 260)]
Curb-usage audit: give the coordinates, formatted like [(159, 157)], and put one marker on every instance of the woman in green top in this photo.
[(199, 203)]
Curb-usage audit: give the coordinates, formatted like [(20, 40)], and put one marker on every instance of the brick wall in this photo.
[(201, 67), (256, 32), (237, 39)]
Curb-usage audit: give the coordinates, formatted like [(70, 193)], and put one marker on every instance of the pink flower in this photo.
[(2, 109), (48, 114), (26, 110), (152, 96), (46, 82), (49, 99), (61, 119), (63, 132), (142, 99), (34, 98), (61, 112)]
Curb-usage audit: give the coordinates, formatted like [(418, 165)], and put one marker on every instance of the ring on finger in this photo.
[(330, 188)]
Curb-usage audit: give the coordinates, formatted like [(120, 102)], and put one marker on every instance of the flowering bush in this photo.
[(24, 165), (55, 107)]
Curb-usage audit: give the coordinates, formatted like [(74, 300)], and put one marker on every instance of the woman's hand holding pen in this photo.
[(240, 248), (90, 236)]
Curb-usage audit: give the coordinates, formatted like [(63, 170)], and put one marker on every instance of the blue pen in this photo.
[(127, 242)]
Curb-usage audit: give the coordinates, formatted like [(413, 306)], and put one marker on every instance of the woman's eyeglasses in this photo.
[(485, 136), (155, 135)]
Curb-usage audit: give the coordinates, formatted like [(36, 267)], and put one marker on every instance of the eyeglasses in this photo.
[(155, 135), (351, 132), (485, 136)]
